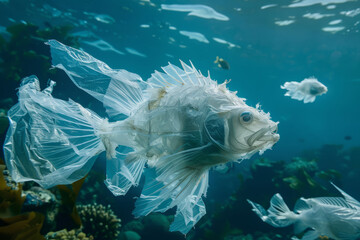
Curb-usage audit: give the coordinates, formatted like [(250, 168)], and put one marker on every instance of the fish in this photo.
[(171, 129), (334, 217), (348, 137), (306, 90), (222, 63)]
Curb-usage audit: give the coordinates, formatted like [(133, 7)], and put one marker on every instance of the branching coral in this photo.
[(68, 235), (99, 221)]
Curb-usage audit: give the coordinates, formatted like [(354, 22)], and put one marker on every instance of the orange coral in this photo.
[(12, 225)]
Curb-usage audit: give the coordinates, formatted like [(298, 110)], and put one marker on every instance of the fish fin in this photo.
[(293, 92), (184, 193), (172, 182), (195, 211), (50, 141), (278, 215), (124, 171), (309, 99), (175, 76), (290, 86), (217, 59), (297, 95), (279, 212), (301, 205), (310, 235), (259, 210), (119, 90), (346, 231), (332, 201), (349, 199)]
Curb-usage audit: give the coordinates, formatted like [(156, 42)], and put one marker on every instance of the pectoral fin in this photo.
[(172, 182)]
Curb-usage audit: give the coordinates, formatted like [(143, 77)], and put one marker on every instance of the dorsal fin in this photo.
[(332, 201), (349, 199), (301, 205), (175, 76)]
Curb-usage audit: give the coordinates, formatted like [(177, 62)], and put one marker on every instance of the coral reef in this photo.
[(13, 223), (11, 200), (9, 181), (43, 201), (38, 197), (298, 163), (99, 221), (68, 235)]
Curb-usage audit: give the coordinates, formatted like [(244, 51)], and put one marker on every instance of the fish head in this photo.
[(250, 130), (317, 88), (313, 86)]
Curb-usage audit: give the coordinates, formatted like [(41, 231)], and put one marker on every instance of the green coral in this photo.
[(99, 221), (297, 164)]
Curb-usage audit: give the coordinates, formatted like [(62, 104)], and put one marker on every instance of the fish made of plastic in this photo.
[(306, 90), (171, 128), (334, 217)]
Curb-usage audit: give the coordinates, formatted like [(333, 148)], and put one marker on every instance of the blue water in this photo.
[(265, 56), (263, 53)]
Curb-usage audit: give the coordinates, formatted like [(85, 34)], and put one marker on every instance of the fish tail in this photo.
[(217, 59), (278, 215), (292, 90), (120, 91), (50, 141), (290, 86)]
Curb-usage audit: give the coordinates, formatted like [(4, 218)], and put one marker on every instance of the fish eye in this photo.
[(246, 117)]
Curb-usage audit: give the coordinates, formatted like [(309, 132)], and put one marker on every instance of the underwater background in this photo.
[(265, 43)]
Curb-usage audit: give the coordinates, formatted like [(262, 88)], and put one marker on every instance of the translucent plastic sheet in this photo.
[(50, 141), (119, 90)]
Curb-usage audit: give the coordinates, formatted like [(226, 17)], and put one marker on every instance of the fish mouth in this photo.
[(267, 134)]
